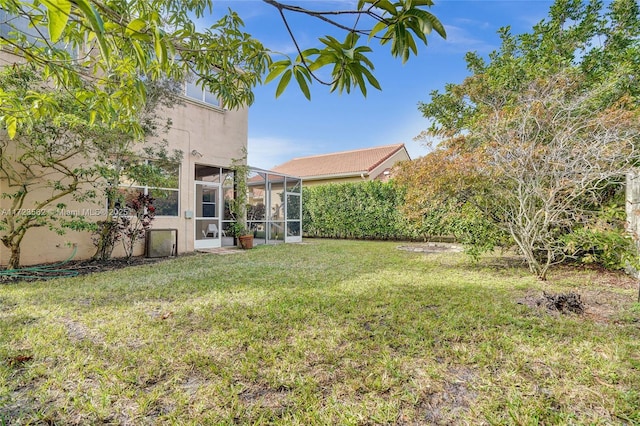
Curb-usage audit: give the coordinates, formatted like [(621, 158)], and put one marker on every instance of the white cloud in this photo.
[(268, 152), (459, 39), (286, 48), (473, 23)]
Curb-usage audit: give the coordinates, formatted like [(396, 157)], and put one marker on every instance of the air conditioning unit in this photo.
[(161, 243)]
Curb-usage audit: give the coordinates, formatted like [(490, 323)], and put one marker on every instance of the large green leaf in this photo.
[(358, 80), (370, 78), (277, 68), (302, 75), (428, 22), (284, 82), (135, 27), (140, 55), (386, 6), (376, 29), (12, 125), (96, 23), (159, 46), (57, 15), (325, 58)]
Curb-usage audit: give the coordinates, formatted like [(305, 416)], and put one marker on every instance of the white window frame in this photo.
[(204, 95), (145, 189)]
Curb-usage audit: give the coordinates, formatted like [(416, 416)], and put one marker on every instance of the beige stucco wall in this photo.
[(311, 182), (41, 245), (397, 157), (218, 135)]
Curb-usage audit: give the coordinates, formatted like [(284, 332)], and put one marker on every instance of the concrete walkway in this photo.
[(222, 250)]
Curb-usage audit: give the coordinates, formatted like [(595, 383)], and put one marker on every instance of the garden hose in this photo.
[(43, 272)]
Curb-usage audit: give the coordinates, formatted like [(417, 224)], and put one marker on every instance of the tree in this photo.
[(439, 192), (54, 159), (156, 39), (536, 138), (550, 159), (238, 205), (44, 163)]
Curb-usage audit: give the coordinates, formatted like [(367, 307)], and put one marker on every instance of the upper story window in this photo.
[(20, 31), (200, 94), (11, 24)]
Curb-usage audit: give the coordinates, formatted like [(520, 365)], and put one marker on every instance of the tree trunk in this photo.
[(14, 259), (106, 240), (12, 242), (526, 248)]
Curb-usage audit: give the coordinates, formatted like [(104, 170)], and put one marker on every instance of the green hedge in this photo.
[(359, 210)]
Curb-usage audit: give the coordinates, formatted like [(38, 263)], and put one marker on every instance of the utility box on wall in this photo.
[(161, 243)]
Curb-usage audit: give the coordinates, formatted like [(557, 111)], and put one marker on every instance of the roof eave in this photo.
[(391, 154), (361, 173)]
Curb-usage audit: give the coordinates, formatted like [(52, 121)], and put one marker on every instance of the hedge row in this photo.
[(359, 210)]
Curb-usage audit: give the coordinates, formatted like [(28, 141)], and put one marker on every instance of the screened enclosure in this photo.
[(274, 207)]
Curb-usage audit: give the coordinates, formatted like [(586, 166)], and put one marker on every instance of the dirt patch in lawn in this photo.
[(586, 275), (441, 402), (564, 303), (599, 295), (77, 332), (432, 248), (448, 405), (598, 305)]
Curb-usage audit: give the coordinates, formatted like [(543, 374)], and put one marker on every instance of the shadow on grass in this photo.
[(329, 333)]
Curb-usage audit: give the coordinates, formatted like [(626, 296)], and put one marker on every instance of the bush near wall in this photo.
[(359, 210)]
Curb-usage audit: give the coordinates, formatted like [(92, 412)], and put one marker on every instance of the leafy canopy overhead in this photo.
[(118, 43)]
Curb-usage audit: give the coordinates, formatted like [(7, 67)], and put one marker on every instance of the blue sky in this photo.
[(291, 126)]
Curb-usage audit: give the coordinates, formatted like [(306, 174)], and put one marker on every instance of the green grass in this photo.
[(330, 332)]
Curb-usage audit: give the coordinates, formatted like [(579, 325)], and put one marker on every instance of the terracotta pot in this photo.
[(246, 241)]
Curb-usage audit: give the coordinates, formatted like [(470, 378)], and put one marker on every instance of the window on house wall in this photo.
[(165, 190), (11, 25), (207, 173), (19, 29), (198, 93)]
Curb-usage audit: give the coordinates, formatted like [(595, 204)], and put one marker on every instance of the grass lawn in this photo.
[(327, 332)]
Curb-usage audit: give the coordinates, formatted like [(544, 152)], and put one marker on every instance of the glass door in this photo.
[(275, 207), (208, 227), (293, 207)]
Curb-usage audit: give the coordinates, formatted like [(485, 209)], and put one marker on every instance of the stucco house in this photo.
[(373, 163), (195, 209)]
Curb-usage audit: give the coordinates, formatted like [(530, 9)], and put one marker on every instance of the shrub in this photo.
[(359, 210), (602, 241)]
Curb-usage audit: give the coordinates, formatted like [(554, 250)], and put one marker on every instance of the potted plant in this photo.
[(244, 236), (238, 206)]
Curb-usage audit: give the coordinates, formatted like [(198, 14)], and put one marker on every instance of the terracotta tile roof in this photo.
[(339, 163)]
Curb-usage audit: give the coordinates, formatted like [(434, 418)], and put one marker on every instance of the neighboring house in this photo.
[(349, 166), (211, 138)]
